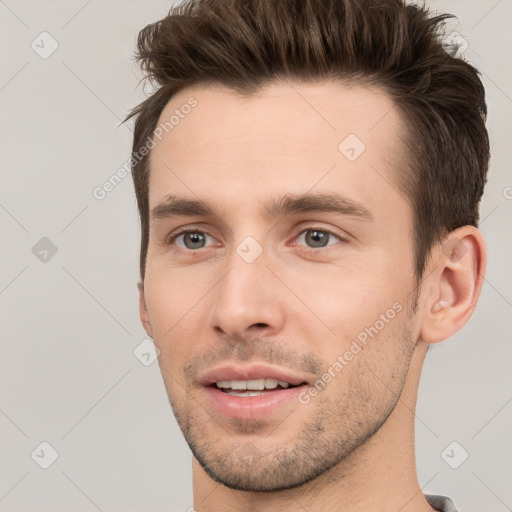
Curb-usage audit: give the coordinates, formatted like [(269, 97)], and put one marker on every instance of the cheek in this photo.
[(369, 374), (174, 308), (353, 311), (172, 294), (349, 292)]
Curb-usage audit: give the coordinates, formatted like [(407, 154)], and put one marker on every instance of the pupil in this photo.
[(194, 240), (317, 238)]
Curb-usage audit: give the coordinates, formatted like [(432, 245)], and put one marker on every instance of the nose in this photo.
[(247, 300)]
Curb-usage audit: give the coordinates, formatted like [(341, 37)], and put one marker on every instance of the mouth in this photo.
[(252, 393)]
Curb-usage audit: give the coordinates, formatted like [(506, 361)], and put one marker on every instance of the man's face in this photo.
[(296, 267)]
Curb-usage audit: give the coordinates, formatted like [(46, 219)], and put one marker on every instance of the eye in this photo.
[(191, 239), (317, 238)]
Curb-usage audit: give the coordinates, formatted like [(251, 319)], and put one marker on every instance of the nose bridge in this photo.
[(246, 283), (246, 296)]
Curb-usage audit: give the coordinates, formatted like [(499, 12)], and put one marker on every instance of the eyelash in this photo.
[(312, 228)]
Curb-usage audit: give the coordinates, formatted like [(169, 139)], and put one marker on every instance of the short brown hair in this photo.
[(247, 44)]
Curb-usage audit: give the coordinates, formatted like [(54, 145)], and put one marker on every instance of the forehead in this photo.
[(288, 138)]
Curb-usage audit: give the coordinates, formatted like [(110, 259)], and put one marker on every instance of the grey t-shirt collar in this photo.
[(441, 503)]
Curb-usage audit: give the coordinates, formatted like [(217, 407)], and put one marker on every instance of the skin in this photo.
[(351, 447)]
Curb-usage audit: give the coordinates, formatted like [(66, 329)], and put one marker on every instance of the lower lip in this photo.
[(251, 407)]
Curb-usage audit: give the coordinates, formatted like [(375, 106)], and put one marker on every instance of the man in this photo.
[(308, 175)]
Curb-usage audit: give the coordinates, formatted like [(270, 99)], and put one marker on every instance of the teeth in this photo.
[(245, 393), (256, 384), (271, 383), (253, 385)]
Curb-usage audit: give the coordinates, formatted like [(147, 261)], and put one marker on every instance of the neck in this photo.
[(379, 476)]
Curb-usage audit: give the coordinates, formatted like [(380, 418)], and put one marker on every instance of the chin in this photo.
[(251, 482), (261, 473)]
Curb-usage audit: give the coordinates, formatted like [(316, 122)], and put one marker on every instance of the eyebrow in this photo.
[(328, 202)]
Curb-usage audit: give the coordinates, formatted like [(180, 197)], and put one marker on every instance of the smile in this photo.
[(252, 392)]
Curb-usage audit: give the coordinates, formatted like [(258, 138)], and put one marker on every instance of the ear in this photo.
[(143, 311), (458, 275)]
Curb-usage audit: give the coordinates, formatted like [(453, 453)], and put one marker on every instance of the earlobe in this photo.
[(459, 268), (143, 311)]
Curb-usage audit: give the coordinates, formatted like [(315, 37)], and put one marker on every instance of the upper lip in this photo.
[(250, 372)]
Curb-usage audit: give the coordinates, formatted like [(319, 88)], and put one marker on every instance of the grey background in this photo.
[(68, 374)]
